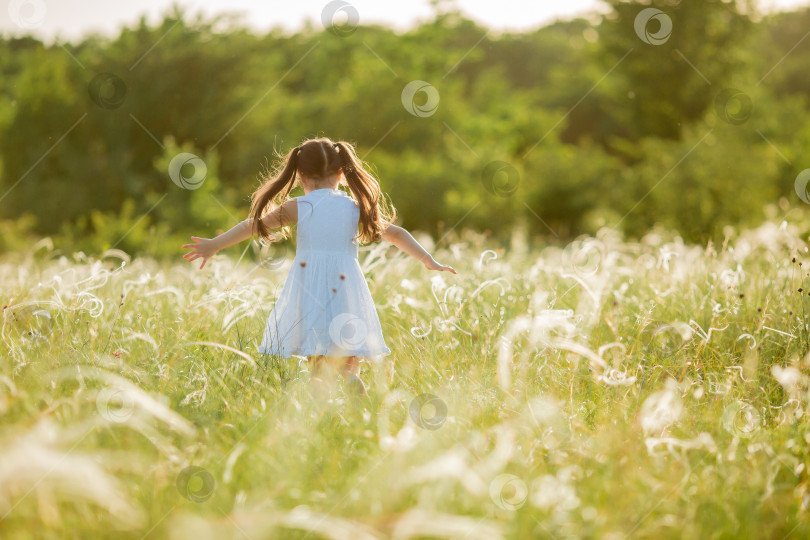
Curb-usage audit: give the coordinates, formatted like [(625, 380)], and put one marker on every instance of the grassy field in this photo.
[(606, 389)]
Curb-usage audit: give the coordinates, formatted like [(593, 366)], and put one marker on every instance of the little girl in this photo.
[(324, 311)]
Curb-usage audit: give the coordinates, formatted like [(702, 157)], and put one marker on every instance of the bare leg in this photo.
[(320, 378), (315, 365), (324, 368), (351, 372), (351, 366)]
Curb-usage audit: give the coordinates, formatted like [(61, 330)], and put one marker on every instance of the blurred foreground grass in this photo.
[(605, 390)]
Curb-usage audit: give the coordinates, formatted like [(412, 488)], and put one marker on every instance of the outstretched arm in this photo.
[(206, 248), (408, 244)]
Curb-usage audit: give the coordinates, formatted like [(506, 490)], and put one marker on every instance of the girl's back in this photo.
[(327, 223)]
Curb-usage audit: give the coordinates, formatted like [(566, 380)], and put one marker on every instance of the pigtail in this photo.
[(266, 194), (375, 211)]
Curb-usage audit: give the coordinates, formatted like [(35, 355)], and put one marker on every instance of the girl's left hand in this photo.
[(433, 265), (204, 247)]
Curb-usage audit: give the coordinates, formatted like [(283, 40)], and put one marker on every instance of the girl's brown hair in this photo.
[(317, 159)]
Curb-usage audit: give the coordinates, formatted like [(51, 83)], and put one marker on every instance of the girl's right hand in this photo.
[(433, 265)]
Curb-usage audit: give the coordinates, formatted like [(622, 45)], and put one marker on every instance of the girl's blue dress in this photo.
[(325, 306)]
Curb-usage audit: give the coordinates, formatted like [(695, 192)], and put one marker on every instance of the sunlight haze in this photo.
[(71, 20)]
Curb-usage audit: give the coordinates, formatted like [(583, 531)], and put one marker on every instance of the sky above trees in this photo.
[(71, 20)]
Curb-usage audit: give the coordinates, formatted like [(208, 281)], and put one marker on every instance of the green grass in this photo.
[(606, 390)]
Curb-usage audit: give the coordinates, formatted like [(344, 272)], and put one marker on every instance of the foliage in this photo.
[(590, 116)]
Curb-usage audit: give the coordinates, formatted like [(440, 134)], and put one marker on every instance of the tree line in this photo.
[(692, 116)]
